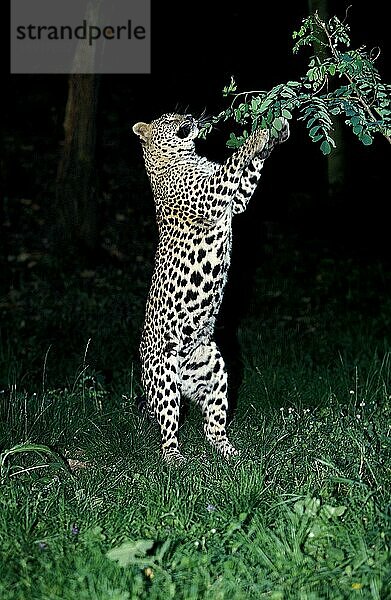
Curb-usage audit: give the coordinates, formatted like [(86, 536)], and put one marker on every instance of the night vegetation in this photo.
[(339, 81)]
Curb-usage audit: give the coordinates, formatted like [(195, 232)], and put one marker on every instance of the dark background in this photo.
[(195, 50), (196, 47)]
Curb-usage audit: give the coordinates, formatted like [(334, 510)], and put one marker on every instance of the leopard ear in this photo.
[(143, 130)]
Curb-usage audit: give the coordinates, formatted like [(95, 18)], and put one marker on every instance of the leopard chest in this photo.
[(190, 273)]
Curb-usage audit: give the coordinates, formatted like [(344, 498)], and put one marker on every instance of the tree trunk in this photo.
[(76, 203), (76, 189)]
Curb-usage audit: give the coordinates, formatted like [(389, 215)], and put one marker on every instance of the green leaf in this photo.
[(349, 111), (269, 117), (229, 89), (130, 552), (92, 536), (333, 511), (277, 124), (286, 113), (276, 90), (366, 139), (314, 130), (162, 551), (325, 147), (265, 105), (255, 103), (335, 555), (310, 122)]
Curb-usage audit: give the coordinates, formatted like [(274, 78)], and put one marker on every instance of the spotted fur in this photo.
[(195, 200)]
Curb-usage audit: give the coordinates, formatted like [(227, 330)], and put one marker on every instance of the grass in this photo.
[(89, 511)]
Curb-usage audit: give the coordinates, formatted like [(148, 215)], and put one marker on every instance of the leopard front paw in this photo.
[(282, 136), (284, 133), (260, 140)]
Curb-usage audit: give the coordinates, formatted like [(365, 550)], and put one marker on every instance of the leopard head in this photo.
[(169, 135)]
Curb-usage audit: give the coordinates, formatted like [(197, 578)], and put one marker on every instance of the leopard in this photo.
[(195, 202)]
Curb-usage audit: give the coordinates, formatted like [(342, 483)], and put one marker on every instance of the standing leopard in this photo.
[(195, 201)]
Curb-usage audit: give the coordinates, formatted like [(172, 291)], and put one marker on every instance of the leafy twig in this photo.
[(364, 100)]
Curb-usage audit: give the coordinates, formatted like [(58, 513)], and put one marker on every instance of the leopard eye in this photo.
[(184, 130)]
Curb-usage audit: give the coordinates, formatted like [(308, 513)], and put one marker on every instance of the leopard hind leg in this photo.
[(204, 380), (161, 385)]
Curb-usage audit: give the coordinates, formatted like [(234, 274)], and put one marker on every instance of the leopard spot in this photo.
[(196, 278), (201, 254), (207, 268)]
